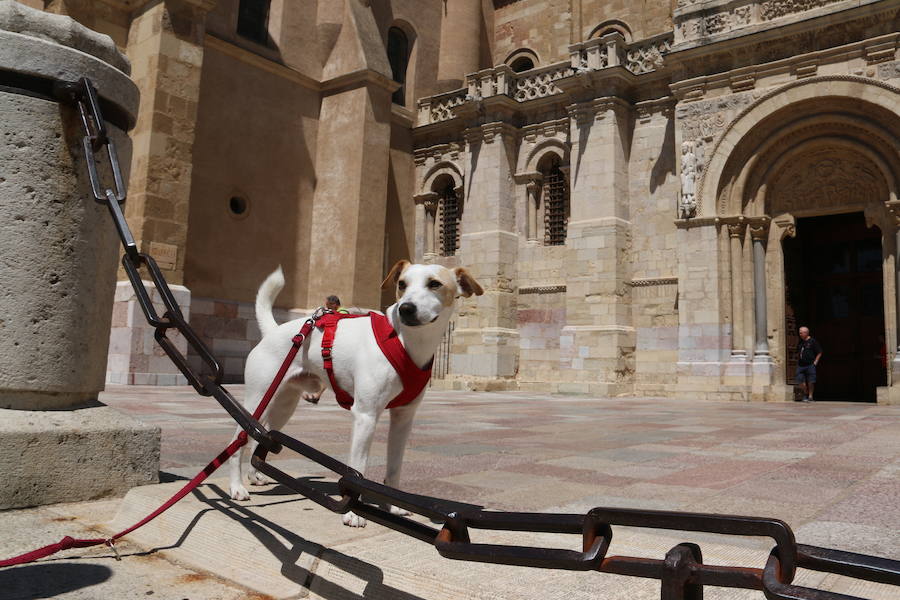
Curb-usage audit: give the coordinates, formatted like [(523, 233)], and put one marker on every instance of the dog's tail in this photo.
[(265, 298)]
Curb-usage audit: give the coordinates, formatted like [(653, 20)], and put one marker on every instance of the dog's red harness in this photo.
[(413, 378)]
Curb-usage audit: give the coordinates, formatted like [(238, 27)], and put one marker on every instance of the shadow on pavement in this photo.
[(289, 551), (30, 582)]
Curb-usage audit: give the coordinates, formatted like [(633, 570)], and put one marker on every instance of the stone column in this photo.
[(165, 45), (893, 208), (350, 202), (759, 231), (533, 189), (426, 216), (461, 28), (736, 232), (57, 442), (597, 344), (486, 341)]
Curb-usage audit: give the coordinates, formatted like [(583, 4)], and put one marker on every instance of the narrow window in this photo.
[(449, 222), (398, 56), (253, 20), (556, 205)]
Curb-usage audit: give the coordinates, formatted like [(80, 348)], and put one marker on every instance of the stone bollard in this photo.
[(58, 256)]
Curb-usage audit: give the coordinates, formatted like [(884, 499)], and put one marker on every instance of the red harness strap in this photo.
[(413, 378)]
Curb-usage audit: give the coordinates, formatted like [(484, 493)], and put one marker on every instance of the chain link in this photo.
[(682, 572)]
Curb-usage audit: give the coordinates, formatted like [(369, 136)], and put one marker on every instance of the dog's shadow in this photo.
[(331, 488), (288, 547)]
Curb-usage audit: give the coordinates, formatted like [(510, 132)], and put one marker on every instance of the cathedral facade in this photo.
[(654, 195)]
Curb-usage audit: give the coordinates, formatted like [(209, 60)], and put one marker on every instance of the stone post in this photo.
[(57, 442), (597, 344)]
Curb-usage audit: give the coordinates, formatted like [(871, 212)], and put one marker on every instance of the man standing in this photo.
[(808, 354)]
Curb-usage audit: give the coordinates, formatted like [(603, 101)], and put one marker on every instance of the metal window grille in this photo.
[(556, 207), (253, 20), (440, 365), (449, 221)]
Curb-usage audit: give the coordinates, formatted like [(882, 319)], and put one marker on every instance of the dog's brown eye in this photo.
[(434, 284), (401, 285)]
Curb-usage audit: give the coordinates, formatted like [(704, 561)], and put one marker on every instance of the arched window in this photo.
[(523, 63), (398, 56), (448, 221), (253, 20), (522, 59), (556, 202)]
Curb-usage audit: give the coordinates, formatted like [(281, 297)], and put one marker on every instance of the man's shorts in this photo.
[(806, 373)]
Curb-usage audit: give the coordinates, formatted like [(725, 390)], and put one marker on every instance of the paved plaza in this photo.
[(830, 470)]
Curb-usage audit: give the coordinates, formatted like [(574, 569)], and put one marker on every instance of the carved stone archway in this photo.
[(789, 157)]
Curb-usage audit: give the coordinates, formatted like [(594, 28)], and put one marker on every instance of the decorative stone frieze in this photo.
[(695, 21)]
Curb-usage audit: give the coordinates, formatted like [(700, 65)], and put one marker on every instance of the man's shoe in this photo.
[(807, 399)]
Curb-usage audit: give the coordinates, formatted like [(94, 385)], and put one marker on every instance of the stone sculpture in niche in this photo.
[(687, 205)]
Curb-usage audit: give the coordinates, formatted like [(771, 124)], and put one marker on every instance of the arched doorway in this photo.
[(809, 186)]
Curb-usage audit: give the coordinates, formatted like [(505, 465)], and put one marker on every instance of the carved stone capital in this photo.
[(787, 226), (759, 228), (428, 199), (737, 227), (893, 209)]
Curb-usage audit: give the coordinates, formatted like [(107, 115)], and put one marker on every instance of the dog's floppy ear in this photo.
[(466, 283), (394, 274)]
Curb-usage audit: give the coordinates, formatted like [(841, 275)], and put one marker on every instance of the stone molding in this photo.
[(701, 22), (595, 110), (543, 289), (255, 60), (652, 281), (488, 132)]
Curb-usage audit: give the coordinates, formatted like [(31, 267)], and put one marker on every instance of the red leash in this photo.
[(69, 542)]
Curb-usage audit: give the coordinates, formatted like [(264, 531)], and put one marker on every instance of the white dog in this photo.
[(426, 296)]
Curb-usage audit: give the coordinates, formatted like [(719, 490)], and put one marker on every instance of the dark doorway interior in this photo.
[(833, 281)]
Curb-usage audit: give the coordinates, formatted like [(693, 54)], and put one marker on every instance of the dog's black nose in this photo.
[(407, 310)]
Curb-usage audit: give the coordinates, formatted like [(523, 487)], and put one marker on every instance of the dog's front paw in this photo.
[(311, 397), (396, 510), (257, 478), (353, 520), (239, 492)]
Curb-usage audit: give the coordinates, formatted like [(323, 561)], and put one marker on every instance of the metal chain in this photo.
[(682, 572)]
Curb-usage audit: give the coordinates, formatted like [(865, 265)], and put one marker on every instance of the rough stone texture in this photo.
[(57, 275), (59, 246), (62, 456)]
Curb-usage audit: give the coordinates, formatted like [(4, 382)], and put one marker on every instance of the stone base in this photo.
[(135, 358), (68, 456), (474, 384)]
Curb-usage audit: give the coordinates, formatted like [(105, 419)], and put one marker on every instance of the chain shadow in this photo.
[(271, 535)]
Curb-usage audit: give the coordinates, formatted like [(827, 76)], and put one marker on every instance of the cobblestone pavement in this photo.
[(829, 469), (824, 462)]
